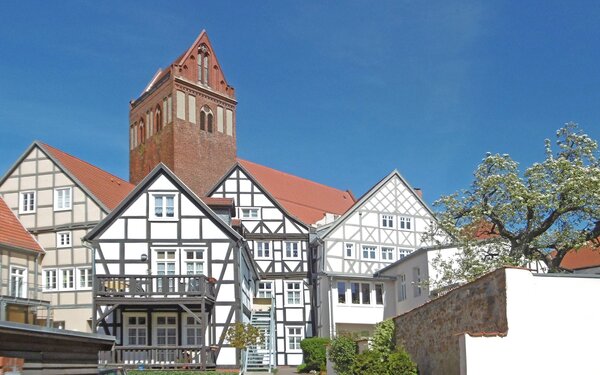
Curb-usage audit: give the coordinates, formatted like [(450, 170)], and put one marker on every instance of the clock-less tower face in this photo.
[(185, 118)]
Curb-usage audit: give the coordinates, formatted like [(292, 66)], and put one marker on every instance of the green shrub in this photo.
[(314, 351), (369, 362), (383, 337), (399, 362), (342, 353)]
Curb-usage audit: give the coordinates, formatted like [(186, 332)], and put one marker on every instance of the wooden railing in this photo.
[(159, 357), (154, 286)]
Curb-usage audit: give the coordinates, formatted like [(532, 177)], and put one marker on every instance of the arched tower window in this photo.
[(206, 119), (209, 121), (142, 132), (202, 120), (203, 64), (158, 122)]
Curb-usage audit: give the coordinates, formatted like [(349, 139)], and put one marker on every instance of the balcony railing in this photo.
[(195, 357), (155, 286)]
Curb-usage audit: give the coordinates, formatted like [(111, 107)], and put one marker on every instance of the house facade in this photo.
[(171, 276)]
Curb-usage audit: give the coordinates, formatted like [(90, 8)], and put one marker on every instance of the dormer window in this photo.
[(163, 206), (203, 63)]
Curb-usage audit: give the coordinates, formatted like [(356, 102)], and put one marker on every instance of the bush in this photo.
[(400, 363), (369, 362), (383, 337), (342, 353), (314, 351)]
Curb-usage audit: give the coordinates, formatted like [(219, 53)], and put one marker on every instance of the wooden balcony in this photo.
[(191, 357), (158, 287)]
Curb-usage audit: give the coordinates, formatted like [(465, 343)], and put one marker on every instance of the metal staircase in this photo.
[(261, 358)]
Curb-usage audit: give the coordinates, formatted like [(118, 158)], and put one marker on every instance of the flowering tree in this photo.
[(509, 217)]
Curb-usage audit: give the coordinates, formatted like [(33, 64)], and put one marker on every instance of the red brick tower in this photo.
[(185, 118)]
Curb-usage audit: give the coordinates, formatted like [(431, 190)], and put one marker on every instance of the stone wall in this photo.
[(430, 333)]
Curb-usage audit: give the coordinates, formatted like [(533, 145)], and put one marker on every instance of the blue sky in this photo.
[(338, 92)]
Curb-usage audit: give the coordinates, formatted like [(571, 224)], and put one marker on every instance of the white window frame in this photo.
[(155, 261), (262, 253), (62, 278), (24, 209), (127, 326), (262, 292), (351, 247), (297, 338), (45, 276), (291, 250), (405, 223), (194, 260), (345, 294), (401, 287), (152, 206), (387, 221), (402, 253), (387, 253), (167, 325), (61, 205), (68, 239), (88, 277), (370, 251), (417, 290), (195, 326), (250, 213), (294, 291), (21, 292)]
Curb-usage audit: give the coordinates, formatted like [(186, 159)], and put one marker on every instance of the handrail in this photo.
[(165, 356), (154, 286)]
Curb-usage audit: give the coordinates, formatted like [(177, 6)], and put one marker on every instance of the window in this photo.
[(85, 278), (209, 122), (379, 294), (403, 252), (229, 122), (341, 287), (387, 253), (294, 338), (294, 291), (148, 124), (142, 132), (220, 119), (164, 206), (405, 222), (17, 282), (349, 250), (291, 250), (164, 117), (158, 119), (265, 289), (202, 120), (166, 330), (67, 278), (62, 199), (192, 108), (417, 281), (355, 293), (263, 249), (50, 280), (169, 109), (194, 262), (136, 332), (387, 221), (249, 213), (365, 291), (369, 252), (193, 331), (165, 265), (27, 202), (63, 239), (401, 287), (205, 65)]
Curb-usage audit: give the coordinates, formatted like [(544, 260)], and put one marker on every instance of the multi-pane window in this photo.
[(291, 250), (341, 288), (349, 251), (365, 291), (387, 221), (194, 262), (387, 253), (136, 330), (67, 276), (164, 205), (401, 287), (369, 252), (17, 281), (62, 199), (50, 279), (166, 330), (165, 265), (193, 331), (27, 202), (294, 338), (355, 293), (403, 252), (379, 294), (265, 289), (63, 239), (249, 213), (405, 223), (85, 278), (263, 249), (416, 281), (294, 291)]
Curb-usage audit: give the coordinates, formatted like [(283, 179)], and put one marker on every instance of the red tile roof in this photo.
[(107, 188), (12, 232), (306, 200), (587, 256)]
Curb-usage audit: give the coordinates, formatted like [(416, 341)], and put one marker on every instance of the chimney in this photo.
[(419, 192)]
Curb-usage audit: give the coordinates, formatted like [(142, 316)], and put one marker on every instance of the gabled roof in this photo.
[(587, 256), (366, 196), (13, 233), (306, 200), (105, 187)]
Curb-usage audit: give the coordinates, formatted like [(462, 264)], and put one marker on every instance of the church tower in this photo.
[(186, 119)]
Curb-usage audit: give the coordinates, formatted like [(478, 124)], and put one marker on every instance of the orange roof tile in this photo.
[(13, 233), (107, 188), (306, 200), (587, 256)]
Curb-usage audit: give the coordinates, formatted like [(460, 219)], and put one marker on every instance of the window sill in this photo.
[(62, 209)]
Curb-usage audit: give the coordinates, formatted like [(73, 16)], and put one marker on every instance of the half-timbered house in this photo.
[(58, 198), (276, 210), (384, 225), (171, 275)]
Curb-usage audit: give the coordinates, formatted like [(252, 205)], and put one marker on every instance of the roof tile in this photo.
[(13, 233)]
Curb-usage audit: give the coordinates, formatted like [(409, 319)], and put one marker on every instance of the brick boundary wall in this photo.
[(430, 333)]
